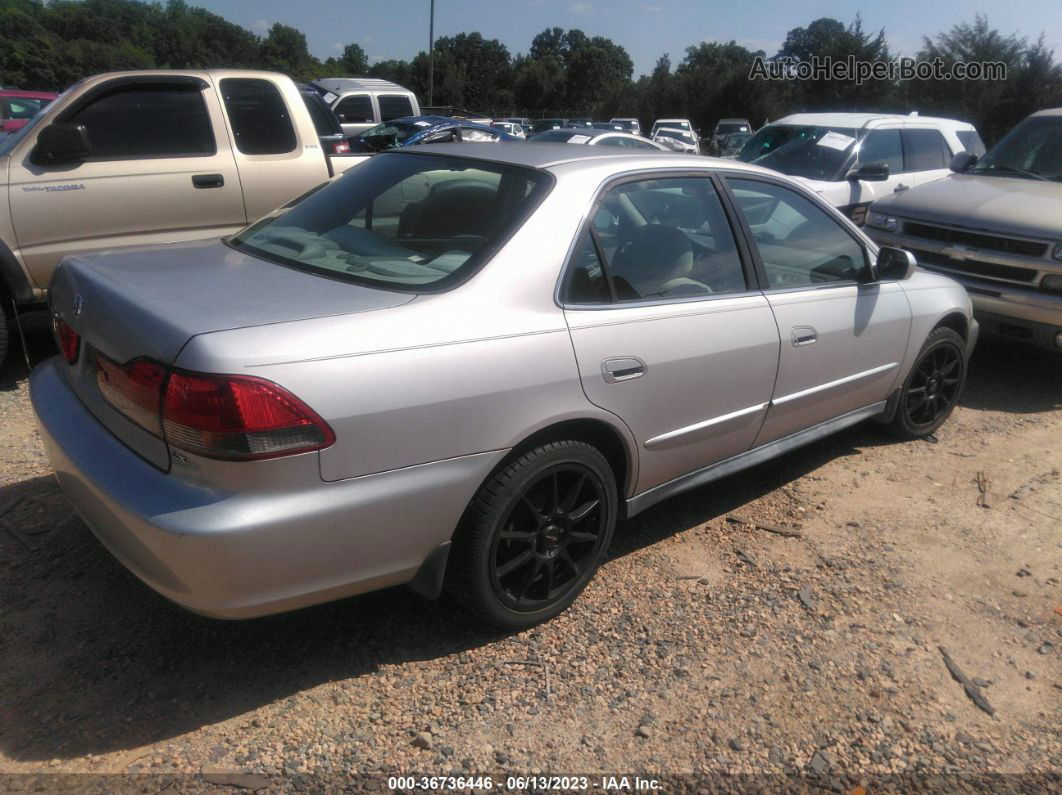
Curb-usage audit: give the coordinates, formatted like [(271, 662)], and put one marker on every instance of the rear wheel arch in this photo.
[(605, 438)]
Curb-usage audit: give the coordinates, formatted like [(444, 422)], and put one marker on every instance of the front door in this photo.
[(844, 336), (155, 174), (667, 332)]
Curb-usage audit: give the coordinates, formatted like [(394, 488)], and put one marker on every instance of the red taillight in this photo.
[(134, 389), (239, 417), (341, 148), (69, 341)]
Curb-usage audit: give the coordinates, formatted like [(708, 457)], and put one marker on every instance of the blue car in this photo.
[(413, 130)]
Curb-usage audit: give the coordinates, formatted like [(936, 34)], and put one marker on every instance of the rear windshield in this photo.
[(801, 150), (401, 221)]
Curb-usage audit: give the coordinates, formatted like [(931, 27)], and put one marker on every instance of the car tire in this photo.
[(534, 535), (932, 389), (4, 335)]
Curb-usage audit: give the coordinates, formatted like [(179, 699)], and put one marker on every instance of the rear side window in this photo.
[(260, 120), (147, 121), (924, 150), (971, 142), (355, 109), (394, 106), (883, 146)]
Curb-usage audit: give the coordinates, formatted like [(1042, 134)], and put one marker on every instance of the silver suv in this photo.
[(458, 370), (995, 226)]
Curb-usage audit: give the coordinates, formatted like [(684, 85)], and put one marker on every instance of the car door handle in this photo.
[(623, 369), (803, 335), (208, 180)]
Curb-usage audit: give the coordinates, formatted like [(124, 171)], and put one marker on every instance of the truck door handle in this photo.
[(208, 180), (803, 335), (625, 369)]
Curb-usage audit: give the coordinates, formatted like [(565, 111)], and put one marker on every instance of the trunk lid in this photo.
[(149, 302)]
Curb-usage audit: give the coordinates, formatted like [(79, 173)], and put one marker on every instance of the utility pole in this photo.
[(431, 55)]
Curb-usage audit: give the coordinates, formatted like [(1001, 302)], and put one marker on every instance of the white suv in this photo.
[(852, 159)]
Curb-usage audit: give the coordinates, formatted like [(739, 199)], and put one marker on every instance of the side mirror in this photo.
[(62, 143), (962, 161), (871, 172), (895, 264)]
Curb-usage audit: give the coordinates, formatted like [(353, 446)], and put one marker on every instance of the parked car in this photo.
[(730, 146), (995, 225), (329, 130), (677, 140), (457, 369), (607, 125), (129, 158), (18, 107), (587, 123), (672, 124), (724, 128), (524, 124), (629, 123), (417, 130), (595, 138), (854, 158), (364, 102), (548, 124), (509, 127)]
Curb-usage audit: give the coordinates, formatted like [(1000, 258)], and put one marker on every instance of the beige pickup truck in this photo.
[(130, 158)]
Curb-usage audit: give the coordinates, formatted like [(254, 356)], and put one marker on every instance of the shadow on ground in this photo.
[(92, 661)]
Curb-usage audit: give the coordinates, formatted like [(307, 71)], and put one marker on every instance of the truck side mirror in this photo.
[(871, 172), (895, 263), (962, 161), (62, 143)]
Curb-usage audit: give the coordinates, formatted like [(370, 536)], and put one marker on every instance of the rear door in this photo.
[(667, 331), (160, 170), (843, 336)]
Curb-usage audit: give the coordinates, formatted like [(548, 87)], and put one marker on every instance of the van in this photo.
[(363, 102)]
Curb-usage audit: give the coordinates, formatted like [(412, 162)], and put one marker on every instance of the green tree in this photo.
[(353, 61)]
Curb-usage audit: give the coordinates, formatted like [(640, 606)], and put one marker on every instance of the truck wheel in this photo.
[(4, 336), (534, 535), (932, 388)]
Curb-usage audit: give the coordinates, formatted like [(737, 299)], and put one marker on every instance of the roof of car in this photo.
[(358, 84), (858, 120), (1049, 112), (589, 133), (550, 155), (733, 121)]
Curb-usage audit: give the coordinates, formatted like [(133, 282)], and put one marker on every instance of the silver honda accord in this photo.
[(457, 367)]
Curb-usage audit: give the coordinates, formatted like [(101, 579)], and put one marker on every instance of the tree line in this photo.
[(563, 73)]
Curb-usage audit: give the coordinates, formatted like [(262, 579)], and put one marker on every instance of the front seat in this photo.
[(657, 262)]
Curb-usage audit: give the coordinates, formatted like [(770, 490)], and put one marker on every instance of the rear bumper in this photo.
[(247, 554)]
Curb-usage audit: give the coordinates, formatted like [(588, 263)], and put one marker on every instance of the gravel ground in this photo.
[(706, 644)]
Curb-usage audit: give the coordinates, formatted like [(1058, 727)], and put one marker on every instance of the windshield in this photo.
[(400, 131), (401, 221), (675, 135), (801, 150), (725, 128), (1032, 150)]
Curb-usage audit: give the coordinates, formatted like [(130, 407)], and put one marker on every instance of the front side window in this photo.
[(141, 120), (659, 239), (924, 150), (21, 107), (355, 109), (401, 221), (883, 146), (799, 243), (394, 106), (260, 120)]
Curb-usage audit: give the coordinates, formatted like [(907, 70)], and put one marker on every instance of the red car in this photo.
[(18, 107)]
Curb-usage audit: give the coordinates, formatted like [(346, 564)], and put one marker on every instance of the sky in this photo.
[(646, 28)]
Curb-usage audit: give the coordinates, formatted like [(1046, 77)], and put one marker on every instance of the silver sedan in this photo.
[(458, 370)]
